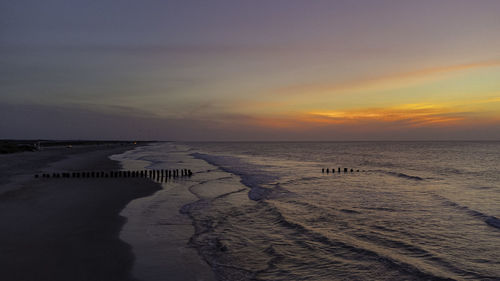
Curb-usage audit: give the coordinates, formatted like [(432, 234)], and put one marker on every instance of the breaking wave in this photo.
[(251, 175)]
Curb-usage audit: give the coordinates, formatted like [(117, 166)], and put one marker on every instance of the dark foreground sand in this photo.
[(65, 229)]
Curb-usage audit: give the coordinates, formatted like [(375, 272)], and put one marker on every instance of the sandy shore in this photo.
[(65, 229)]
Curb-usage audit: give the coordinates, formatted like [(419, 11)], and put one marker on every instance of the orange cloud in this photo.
[(414, 115), (388, 81), (480, 110), (407, 115)]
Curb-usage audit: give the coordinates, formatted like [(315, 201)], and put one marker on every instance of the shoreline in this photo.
[(65, 229), (158, 231)]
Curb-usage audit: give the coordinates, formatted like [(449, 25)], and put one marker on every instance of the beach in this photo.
[(254, 211), (65, 228)]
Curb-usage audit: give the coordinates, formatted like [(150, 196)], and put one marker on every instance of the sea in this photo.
[(271, 211)]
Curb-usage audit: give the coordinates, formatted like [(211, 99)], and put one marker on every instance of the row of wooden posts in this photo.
[(346, 170), (155, 174)]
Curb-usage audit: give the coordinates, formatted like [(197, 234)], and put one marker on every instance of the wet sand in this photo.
[(65, 229)]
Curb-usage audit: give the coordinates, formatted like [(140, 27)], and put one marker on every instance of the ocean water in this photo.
[(265, 210)]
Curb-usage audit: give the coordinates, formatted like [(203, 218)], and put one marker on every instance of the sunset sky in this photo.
[(250, 70)]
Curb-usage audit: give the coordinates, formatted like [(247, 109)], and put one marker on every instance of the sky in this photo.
[(273, 70)]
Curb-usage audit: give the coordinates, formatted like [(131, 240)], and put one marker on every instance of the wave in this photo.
[(251, 175), (379, 209), (405, 176), (493, 221), (489, 220), (351, 250), (346, 250), (482, 187), (349, 211)]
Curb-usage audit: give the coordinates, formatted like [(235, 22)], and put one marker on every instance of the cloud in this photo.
[(404, 116), (388, 81), (414, 115)]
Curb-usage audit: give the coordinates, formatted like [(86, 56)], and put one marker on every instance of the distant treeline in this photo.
[(12, 146)]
